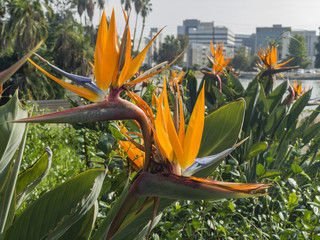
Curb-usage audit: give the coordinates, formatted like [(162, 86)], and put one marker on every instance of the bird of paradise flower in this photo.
[(170, 151)]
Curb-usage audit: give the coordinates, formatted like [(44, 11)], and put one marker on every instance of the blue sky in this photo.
[(241, 16)]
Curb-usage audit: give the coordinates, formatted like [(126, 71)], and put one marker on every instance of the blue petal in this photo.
[(86, 82), (201, 163)]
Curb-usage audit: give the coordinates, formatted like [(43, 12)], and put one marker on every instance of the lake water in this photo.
[(314, 84)]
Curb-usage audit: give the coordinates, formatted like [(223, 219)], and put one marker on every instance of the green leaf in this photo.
[(222, 128), (274, 119), (235, 82), (82, 229), (260, 169), (311, 132), (276, 96), (32, 176), (270, 174), (251, 97), (296, 169), (8, 192), (6, 74), (297, 108), (263, 103), (103, 229), (191, 90), (256, 149), (11, 134), (293, 200), (56, 211)]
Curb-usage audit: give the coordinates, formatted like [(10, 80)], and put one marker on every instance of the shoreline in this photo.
[(290, 75)]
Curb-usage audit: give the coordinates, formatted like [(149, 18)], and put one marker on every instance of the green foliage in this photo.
[(169, 50), (241, 59), (297, 51)]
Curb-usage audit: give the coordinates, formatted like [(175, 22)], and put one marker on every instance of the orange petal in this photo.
[(137, 61), (100, 61), (181, 119), (171, 130), (122, 78), (135, 155), (112, 52), (193, 136), (161, 130)]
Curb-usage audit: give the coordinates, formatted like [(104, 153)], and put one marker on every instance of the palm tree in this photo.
[(27, 24), (90, 10), (81, 5), (145, 10), (127, 4), (137, 8), (101, 5)]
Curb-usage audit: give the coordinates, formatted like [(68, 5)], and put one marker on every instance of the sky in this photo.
[(240, 16)]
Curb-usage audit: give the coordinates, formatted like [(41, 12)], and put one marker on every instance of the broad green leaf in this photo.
[(82, 229), (274, 119), (297, 108), (311, 132), (221, 98), (314, 114), (191, 90), (143, 233), (57, 210), (8, 191), (6, 74), (256, 149), (251, 98), (102, 231), (276, 96), (263, 103), (260, 169), (235, 82), (11, 134), (32, 176), (222, 128)]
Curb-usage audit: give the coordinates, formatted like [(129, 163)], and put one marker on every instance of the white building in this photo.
[(201, 35)]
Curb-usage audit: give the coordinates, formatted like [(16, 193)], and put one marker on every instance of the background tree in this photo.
[(253, 61), (317, 63), (241, 59), (67, 43), (145, 10), (184, 41), (127, 4), (297, 51), (137, 8), (168, 50)]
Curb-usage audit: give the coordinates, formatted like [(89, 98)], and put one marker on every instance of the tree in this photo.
[(241, 59), (127, 4), (137, 8), (26, 26), (145, 10), (170, 49), (317, 63), (297, 51)]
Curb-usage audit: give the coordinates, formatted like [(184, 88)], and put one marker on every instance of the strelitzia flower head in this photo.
[(179, 147), (113, 64), (269, 59), (218, 61), (298, 90)]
